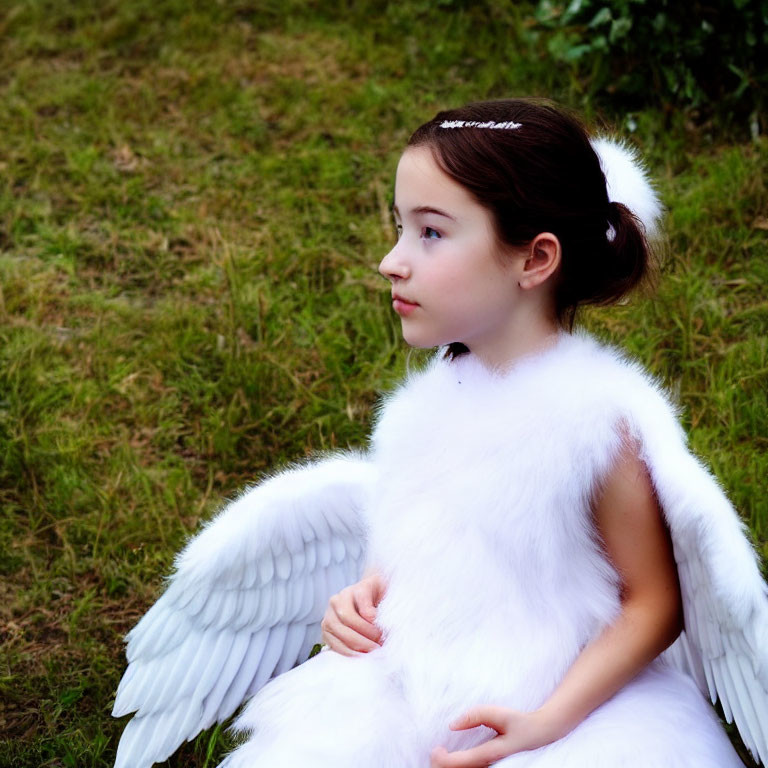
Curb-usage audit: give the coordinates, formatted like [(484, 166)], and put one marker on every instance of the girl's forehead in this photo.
[(419, 162), (421, 183)]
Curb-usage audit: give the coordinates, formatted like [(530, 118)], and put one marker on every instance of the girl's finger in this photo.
[(349, 638), (492, 717), (437, 756), (347, 614), (477, 757), (335, 644), (365, 606), (366, 609)]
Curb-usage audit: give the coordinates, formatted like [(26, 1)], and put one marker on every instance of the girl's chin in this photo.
[(422, 342), (416, 335)]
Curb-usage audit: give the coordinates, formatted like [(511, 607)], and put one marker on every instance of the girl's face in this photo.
[(450, 282)]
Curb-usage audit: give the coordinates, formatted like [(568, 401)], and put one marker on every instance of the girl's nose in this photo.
[(394, 265)]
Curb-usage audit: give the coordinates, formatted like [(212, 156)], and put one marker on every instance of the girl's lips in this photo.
[(403, 307)]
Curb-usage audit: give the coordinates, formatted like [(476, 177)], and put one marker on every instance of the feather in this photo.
[(213, 710), (239, 605)]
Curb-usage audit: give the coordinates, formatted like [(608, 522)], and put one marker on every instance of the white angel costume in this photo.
[(474, 501)]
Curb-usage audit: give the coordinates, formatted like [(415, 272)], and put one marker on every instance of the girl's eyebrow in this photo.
[(425, 209)]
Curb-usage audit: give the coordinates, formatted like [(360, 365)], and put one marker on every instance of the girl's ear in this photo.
[(542, 259)]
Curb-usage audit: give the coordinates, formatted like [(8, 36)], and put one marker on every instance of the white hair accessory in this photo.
[(628, 183), (508, 125)]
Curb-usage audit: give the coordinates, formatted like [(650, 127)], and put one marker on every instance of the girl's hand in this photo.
[(348, 626), (517, 731)]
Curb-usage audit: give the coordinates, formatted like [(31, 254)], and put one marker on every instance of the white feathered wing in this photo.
[(244, 604), (724, 645)]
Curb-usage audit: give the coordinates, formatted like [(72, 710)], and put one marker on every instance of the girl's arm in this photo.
[(636, 540)]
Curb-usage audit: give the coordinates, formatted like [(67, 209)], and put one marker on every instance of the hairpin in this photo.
[(508, 125)]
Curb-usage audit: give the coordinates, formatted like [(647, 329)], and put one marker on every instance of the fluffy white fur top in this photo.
[(482, 523)]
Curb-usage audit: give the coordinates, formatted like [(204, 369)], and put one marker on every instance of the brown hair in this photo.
[(544, 177)]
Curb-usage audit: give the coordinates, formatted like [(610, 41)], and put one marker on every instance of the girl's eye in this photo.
[(430, 234), (398, 230)]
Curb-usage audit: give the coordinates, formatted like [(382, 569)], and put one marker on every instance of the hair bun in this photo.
[(628, 182)]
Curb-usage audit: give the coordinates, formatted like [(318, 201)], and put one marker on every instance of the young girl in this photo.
[(533, 529)]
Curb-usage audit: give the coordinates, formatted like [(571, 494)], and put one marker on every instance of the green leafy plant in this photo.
[(702, 56)]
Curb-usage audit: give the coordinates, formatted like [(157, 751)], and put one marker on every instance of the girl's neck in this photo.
[(537, 337)]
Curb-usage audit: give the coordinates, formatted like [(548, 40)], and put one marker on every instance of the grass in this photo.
[(193, 201)]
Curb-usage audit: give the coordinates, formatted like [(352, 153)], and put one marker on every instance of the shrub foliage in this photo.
[(703, 56)]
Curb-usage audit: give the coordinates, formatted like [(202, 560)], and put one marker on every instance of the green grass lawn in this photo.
[(193, 200)]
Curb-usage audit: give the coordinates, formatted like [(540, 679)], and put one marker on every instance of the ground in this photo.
[(193, 201)]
